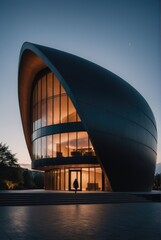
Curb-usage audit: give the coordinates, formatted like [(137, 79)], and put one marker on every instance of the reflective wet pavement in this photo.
[(130, 221)]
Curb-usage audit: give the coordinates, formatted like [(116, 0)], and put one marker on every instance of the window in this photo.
[(64, 108), (49, 111), (43, 148), (69, 144), (51, 105), (56, 146), (49, 146), (43, 112), (64, 145)]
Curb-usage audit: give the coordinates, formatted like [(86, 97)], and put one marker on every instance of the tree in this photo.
[(10, 171), (11, 177), (7, 159)]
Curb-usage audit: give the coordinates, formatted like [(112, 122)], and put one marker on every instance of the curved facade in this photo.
[(80, 120)]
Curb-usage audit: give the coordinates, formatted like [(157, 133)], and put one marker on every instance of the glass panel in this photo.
[(56, 109), (49, 146), (64, 144), (43, 148), (98, 179), (62, 179), (35, 113), (72, 112), (58, 179), (44, 113), (83, 143), (91, 175), (56, 101), (62, 90), (56, 86), (66, 179), (91, 149), (39, 115), (57, 146), (44, 87), (85, 178), (39, 148), (34, 149), (35, 108), (49, 85), (51, 180), (72, 144), (63, 108), (54, 179), (49, 111)]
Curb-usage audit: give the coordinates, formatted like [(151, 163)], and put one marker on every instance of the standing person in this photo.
[(75, 185)]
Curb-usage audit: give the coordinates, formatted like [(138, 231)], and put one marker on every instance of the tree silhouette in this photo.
[(10, 171), (7, 159)]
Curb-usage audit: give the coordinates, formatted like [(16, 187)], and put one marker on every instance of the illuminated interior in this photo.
[(52, 106), (89, 178), (69, 144)]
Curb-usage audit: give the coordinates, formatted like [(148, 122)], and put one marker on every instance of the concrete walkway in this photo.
[(130, 221)]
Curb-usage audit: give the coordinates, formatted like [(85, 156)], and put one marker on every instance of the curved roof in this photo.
[(110, 109)]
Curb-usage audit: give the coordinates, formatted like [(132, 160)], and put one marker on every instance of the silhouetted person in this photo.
[(75, 185)]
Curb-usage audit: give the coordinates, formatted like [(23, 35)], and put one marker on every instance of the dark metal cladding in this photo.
[(119, 121)]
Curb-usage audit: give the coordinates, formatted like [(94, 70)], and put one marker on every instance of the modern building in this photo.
[(82, 121)]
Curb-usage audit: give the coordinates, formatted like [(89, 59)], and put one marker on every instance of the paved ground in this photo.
[(132, 221)]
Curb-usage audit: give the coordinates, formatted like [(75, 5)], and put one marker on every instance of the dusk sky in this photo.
[(121, 35)]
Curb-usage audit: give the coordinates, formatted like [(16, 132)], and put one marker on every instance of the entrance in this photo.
[(73, 174)]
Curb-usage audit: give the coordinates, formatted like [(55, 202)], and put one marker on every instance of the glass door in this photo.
[(75, 174)]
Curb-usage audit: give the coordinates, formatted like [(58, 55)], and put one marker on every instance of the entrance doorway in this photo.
[(75, 174)]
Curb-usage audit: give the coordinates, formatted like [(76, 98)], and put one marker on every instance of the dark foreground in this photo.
[(127, 221), (41, 197)]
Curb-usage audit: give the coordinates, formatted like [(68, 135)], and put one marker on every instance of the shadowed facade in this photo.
[(94, 121)]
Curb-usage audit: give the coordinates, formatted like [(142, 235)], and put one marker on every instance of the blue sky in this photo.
[(121, 35)]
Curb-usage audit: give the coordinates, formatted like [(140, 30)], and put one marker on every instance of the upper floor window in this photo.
[(51, 105)]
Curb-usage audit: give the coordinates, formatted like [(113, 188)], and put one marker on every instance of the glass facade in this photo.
[(89, 178), (52, 106), (69, 144)]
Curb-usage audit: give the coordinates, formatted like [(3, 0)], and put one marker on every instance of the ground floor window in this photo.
[(89, 178)]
